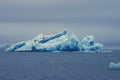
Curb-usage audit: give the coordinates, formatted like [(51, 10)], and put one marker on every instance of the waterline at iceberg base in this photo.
[(57, 42)]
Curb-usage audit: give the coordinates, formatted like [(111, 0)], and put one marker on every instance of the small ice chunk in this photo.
[(114, 66)]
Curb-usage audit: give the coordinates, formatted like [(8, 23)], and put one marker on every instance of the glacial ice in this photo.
[(88, 44), (114, 66), (57, 42)]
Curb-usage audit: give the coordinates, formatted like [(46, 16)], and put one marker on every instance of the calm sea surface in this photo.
[(58, 66)]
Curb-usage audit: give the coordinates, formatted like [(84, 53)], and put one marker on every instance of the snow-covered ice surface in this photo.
[(114, 66), (58, 42)]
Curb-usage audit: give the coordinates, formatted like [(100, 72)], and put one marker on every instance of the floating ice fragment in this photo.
[(114, 66)]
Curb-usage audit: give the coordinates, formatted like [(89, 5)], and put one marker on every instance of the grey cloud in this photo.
[(59, 10)]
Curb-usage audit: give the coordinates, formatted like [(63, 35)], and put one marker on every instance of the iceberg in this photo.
[(114, 66), (57, 42)]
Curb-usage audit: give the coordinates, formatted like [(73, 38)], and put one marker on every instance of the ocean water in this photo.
[(58, 66)]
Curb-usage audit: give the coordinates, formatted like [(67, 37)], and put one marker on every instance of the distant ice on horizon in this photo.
[(57, 42)]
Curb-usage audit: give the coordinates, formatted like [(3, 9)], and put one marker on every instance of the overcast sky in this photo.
[(24, 19)]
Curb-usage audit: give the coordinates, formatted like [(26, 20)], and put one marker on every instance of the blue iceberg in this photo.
[(57, 42)]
